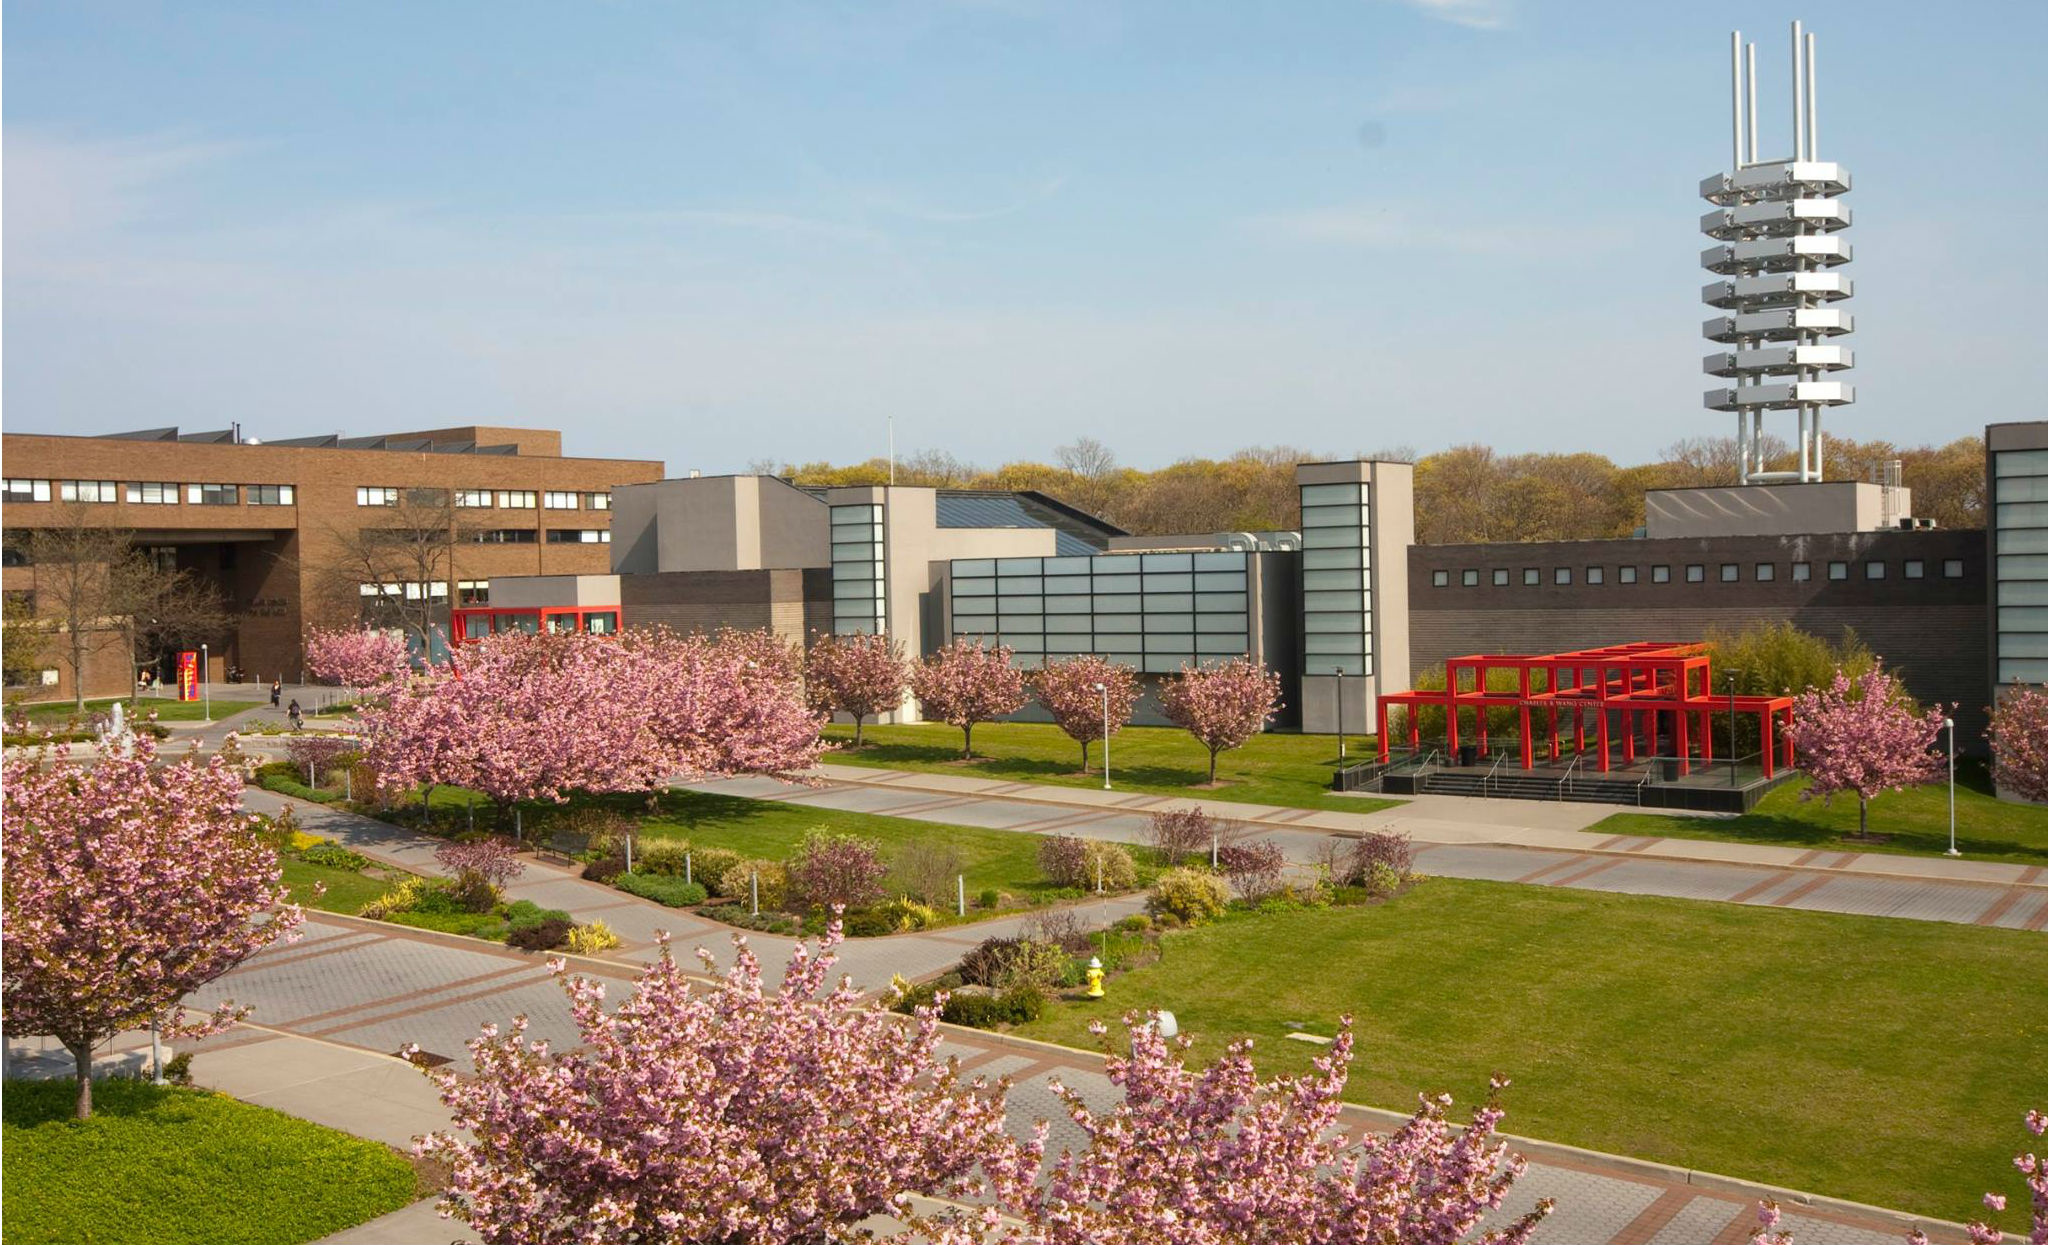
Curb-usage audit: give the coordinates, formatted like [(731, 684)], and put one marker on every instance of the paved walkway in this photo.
[(1531, 841)]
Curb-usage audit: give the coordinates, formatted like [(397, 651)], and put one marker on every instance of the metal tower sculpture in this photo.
[(1777, 224)]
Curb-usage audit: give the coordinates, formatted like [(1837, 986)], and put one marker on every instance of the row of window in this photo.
[(503, 499), (468, 591), (555, 536), (1696, 573), (150, 492)]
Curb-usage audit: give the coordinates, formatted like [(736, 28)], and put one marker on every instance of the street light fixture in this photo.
[(1340, 713), (1949, 724), (205, 691), (1731, 725), (1104, 689)]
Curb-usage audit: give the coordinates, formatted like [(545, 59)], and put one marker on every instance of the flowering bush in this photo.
[(492, 861), (319, 752), (1253, 868), (1188, 895), (1179, 833), (836, 870), (1063, 859)]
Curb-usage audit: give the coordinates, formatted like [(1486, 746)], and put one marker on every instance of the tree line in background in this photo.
[(1465, 494)]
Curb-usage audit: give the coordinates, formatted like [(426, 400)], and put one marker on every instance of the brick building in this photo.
[(279, 526)]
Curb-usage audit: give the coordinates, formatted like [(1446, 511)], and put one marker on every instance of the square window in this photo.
[(1838, 570), (1596, 574), (1916, 569), (1563, 575), (1801, 572), (1695, 573), (1627, 574), (1730, 572), (1766, 572), (1660, 574), (1952, 568), (1873, 570), (1531, 577), (1469, 578), (1439, 579), (1500, 579)]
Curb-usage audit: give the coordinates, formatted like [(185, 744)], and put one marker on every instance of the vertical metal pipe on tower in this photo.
[(1749, 88), (1812, 104), (1735, 87), (1798, 92)]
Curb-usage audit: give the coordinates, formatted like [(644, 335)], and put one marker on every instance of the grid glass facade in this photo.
[(1336, 579), (2019, 564), (1154, 612), (859, 571)]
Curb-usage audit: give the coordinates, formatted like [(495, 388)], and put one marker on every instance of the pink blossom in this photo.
[(2019, 743), (860, 675), (357, 659), (965, 683), (1864, 736), (1222, 705), (1069, 691)]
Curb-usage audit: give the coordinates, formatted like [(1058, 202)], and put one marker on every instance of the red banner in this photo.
[(188, 675)]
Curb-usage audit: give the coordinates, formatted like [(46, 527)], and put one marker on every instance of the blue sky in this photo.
[(713, 233)]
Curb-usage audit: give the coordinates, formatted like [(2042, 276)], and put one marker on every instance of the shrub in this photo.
[(1111, 866), (989, 898), (1392, 851), (541, 935), (835, 869), (672, 891), (1036, 964), (1058, 927), (1063, 859), (712, 864), (599, 830), (322, 752), (490, 861), (334, 856), (591, 938), (984, 965), (1080, 863), (1253, 868), (1189, 896), (767, 922), (1135, 923), (669, 858), (903, 915), (927, 869), (400, 898), (1381, 880), (1015, 1006), (604, 869), (469, 892), (178, 1068), (735, 883), (1179, 833)]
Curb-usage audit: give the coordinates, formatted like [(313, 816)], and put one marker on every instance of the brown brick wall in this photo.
[(1932, 630), (282, 555)]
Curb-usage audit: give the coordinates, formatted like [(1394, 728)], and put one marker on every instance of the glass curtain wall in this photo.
[(2020, 563), (859, 572), (1154, 612), (1336, 591)]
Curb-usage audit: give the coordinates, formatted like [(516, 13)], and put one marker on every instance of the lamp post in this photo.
[(1340, 713), (1731, 725), (1949, 724), (1104, 689), (205, 692)]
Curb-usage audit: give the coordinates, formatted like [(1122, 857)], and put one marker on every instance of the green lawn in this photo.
[(1884, 1060), (166, 710), (1292, 771), (347, 891), (1913, 822), (169, 1166)]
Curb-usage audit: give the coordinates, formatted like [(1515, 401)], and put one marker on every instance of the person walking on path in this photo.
[(294, 714), (276, 692)]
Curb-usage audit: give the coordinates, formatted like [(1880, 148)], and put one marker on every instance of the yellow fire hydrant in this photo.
[(1094, 977)]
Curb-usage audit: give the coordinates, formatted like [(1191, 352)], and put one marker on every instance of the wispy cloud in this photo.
[(1472, 14)]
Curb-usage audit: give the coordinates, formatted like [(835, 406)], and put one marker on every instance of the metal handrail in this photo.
[(1563, 782), (1486, 783)]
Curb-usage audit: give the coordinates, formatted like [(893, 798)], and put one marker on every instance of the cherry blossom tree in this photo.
[(965, 683), (1222, 705), (1863, 735), (718, 1113), (766, 654), (2019, 743), (128, 885), (858, 675), (1218, 1157), (1069, 691), (733, 704), (356, 660)]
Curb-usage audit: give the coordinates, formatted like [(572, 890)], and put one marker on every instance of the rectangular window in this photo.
[(1627, 574), (1916, 569), (1873, 570), (1838, 570), (473, 592), (1766, 572), (1660, 574), (597, 501), (213, 494), (1596, 574), (516, 499), (1731, 572), (28, 490), (1469, 578), (1695, 573), (376, 497), (152, 494), (272, 494), (1952, 568), (1500, 579), (580, 536), (473, 498), (560, 501), (507, 536), (1531, 577), (1439, 579), (1563, 575), (88, 490), (1802, 572)]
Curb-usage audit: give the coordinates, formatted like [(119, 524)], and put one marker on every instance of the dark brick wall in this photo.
[(792, 602), (1931, 629)]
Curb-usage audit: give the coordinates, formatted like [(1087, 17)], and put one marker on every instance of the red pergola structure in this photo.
[(1633, 684)]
